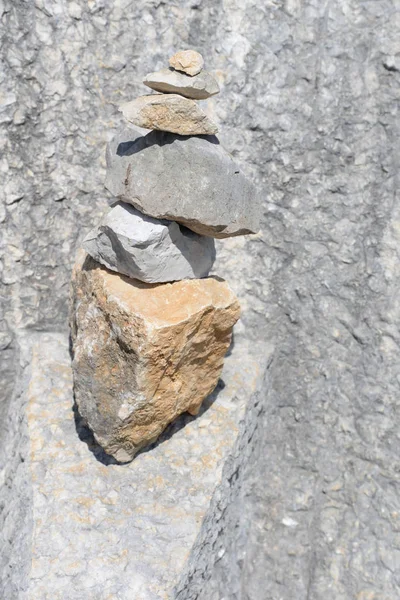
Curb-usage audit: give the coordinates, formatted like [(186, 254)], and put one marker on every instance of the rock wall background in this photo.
[(65, 68), (309, 106)]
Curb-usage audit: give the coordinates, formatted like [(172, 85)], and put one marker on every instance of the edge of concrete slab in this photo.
[(119, 531)]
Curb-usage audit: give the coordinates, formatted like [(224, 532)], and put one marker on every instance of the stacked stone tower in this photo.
[(150, 329)]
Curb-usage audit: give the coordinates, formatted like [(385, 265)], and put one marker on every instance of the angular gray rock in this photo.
[(168, 112), (147, 249), (190, 180), (199, 87)]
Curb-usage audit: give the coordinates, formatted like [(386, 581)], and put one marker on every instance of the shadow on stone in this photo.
[(183, 420), (85, 434), (231, 345), (158, 138), (185, 243)]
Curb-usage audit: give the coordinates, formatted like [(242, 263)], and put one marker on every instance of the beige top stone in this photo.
[(187, 61), (168, 112)]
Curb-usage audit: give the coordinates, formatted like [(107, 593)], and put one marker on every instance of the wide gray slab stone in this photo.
[(94, 529), (191, 180), (154, 251), (199, 87)]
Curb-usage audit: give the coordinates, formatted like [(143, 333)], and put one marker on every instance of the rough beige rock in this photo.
[(187, 61), (199, 87), (143, 354), (168, 112)]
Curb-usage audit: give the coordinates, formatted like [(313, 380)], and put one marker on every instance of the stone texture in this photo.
[(193, 181), (199, 87), (144, 354), (168, 112), (68, 506), (153, 251), (188, 61), (310, 109)]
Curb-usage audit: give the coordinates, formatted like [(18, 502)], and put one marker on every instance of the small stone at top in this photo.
[(187, 61)]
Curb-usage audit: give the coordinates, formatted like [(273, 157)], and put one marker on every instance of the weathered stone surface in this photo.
[(188, 61), (144, 248), (199, 87), (66, 505), (144, 354), (193, 181), (168, 112), (310, 104)]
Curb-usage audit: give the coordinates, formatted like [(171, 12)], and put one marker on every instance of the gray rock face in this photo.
[(168, 112), (147, 249), (199, 87), (193, 181), (310, 106)]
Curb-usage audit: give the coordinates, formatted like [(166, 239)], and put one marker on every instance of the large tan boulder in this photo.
[(144, 353)]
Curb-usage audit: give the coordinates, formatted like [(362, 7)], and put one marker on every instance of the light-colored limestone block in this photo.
[(190, 180)]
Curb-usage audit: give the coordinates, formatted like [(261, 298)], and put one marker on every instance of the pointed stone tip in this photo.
[(122, 108), (190, 62)]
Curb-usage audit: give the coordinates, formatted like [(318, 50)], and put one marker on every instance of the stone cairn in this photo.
[(149, 329)]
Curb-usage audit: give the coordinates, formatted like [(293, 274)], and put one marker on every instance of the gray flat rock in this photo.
[(168, 112), (199, 87), (190, 180), (148, 249)]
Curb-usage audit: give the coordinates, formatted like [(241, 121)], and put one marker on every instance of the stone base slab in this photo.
[(106, 531)]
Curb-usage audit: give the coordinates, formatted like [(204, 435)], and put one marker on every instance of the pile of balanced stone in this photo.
[(149, 329)]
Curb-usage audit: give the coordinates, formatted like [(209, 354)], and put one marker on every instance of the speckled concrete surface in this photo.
[(106, 531)]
